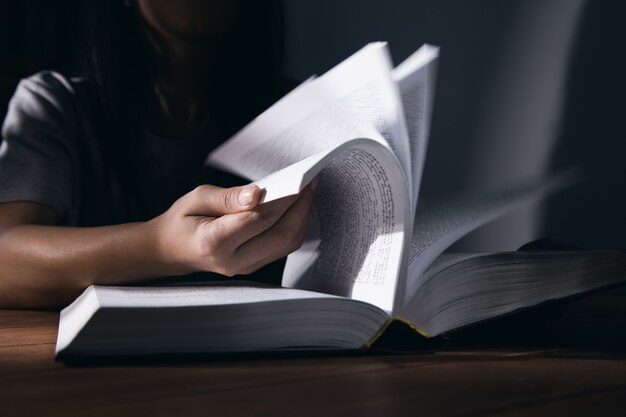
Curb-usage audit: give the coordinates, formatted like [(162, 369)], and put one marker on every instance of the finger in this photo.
[(283, 238), (271, 256), (236, 229), (212, 201), (287, 241)]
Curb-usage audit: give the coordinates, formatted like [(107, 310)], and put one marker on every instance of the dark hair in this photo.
[(120, 70)]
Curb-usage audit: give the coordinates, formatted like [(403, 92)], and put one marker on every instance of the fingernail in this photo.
[(314, 183), (246, 196)]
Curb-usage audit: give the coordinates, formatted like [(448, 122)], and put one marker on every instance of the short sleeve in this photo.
[(36, 156)]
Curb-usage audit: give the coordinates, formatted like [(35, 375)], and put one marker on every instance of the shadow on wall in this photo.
[(516, 96), (594, 133)]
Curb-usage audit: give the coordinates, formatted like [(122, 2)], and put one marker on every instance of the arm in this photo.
[(206, 230)]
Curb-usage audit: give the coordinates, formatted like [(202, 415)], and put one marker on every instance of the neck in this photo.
[(184, 63), (182, 76)]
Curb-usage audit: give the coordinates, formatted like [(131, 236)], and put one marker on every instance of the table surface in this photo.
[(573, 365)]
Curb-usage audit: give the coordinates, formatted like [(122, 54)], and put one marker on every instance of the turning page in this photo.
[(355, 241), (356, 99), (437, 226), (416, 77)]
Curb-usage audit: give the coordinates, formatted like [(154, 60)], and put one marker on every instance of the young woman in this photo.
[(102, 178)]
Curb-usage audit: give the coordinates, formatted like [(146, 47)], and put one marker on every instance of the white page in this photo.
[(280, 138), (365, 87), (416, 77), (356, 99), (290, 180), (354, 246), (213, 294), (438, 226)]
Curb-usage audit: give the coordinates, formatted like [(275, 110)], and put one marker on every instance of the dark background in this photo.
[(525, 87)]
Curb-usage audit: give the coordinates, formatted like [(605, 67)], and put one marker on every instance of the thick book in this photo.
[(372, 255)]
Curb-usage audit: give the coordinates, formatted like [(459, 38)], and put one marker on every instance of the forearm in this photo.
[(49, 265), (221, 230)]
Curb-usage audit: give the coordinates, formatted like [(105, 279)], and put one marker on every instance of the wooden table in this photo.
[(575, 365)]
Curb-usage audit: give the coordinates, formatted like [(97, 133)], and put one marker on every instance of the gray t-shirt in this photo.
[(51, 154)]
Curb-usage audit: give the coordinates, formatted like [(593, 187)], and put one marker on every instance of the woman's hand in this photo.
[(209, 229), (225, 230)]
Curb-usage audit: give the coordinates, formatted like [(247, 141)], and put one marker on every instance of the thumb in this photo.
[(209, 200)]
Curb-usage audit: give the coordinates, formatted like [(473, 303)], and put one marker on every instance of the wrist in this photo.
[(163, 251)]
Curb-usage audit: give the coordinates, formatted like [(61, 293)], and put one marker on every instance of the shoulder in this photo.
[(47, 87), (39, 150), (45, 81), (45, 97)]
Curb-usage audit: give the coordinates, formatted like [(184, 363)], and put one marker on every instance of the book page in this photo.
[(202, 294), (354, 245), (471, 288), (319, 131), (364, 86), (356, 99), (416, 77), (292, 179), (439, 225)]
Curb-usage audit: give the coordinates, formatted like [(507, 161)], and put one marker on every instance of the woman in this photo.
[(102, 177)]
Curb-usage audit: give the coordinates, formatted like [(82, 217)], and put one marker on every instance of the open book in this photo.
[(371, 255)]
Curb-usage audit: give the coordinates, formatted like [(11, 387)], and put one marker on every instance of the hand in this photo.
[(225, 230)]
